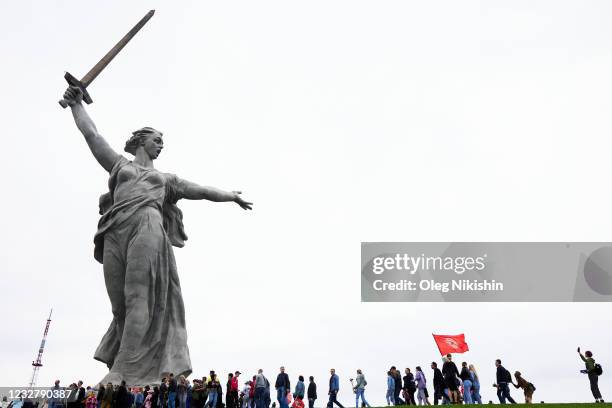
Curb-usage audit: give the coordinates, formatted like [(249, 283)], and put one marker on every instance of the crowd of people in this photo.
[(450, 386)]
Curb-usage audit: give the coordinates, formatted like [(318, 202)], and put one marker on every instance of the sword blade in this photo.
[(93, 73)]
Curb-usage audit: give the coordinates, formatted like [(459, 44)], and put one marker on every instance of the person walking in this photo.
[(132, 398), (205, 392), (593, 371), (397, 377), (138, 397), (122, 399), (475, 385), (438, 381), (228, 394), (282, 385), (528, 388), (91, 401), (107, 398), (300, 388), (197, 393), (450, 372), (82, 394), (334, 387), (79, 395), (312, 392), (261, 382), (155, 402), (421, 384), (466, 378), (182, 391), (172, 390), (252, 393), (232, 391), (189, 394), (163, 393), (246, 394), (148, 402), (99, 396), (55, 401), (213, 391), (360, 384), (503, 379), (409, 387), (390, 388)]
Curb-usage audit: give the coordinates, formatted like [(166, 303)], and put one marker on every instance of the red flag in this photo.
[(451, 343)]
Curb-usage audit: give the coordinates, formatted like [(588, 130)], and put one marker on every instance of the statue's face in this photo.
[(153, 145)]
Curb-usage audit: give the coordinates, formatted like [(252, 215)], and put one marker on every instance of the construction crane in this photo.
[(38, 363)]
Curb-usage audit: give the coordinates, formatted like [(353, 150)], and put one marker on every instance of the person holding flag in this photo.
[(448, 344)]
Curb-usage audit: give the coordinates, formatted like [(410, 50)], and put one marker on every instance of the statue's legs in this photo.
[(148, 337), (114, 278)]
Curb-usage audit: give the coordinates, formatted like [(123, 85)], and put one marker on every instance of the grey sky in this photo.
[(344, 121)]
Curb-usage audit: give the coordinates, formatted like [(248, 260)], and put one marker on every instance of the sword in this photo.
[(95, 71)]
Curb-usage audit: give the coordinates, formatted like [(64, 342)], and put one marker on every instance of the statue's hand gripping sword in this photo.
[(93, 73)]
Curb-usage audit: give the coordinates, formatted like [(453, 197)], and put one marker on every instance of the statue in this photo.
[(140, 223)]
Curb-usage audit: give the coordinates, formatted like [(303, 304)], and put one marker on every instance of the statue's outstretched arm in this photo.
[(104, 154), (193, 191)]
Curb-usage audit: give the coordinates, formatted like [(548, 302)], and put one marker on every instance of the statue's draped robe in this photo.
[(140, 222)]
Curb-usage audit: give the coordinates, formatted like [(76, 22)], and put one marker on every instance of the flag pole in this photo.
[(434, 337)]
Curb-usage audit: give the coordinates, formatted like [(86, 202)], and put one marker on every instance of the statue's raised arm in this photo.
[(104, 154)]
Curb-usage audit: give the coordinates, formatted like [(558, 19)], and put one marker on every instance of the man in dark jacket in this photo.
[(503, 379), (81, 395), (100, 394), (397, 378), (122, 400), (438, 382), (73, 394), (229, 398), (409, 387), (312, 392), (220, 395), (282, 386), (162, 400)]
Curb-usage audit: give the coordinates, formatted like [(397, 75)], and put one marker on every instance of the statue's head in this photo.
[(148, 139)]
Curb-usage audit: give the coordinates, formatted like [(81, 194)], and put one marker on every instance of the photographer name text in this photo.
[(429, 285)]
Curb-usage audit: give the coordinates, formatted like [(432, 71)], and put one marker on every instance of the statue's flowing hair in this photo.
[(137, 137)]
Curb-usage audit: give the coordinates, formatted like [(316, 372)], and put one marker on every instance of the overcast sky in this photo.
[(344, 121)]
